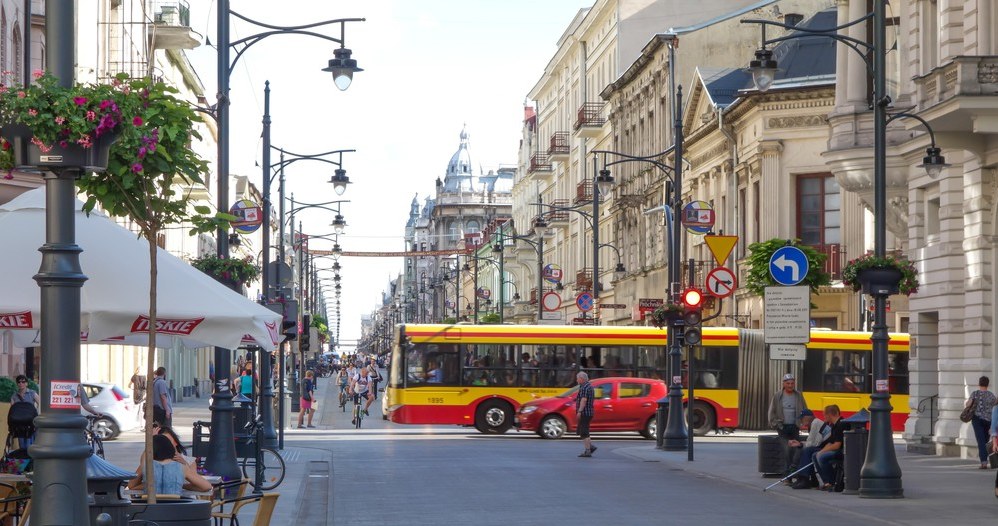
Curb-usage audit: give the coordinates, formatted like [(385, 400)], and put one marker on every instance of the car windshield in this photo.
[(569, 393)]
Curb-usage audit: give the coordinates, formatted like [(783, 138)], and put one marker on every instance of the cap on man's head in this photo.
[(788, 376), (806, 412)]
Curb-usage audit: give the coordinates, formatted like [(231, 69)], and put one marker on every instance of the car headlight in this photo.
[(528, 409)]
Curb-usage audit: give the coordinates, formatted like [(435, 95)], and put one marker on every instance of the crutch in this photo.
[(809, 464)]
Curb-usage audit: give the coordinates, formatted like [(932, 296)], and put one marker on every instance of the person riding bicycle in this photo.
[(343, 377), (360, 386)]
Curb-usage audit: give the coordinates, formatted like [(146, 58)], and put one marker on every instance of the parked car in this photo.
[(622, 404), (116, 406)]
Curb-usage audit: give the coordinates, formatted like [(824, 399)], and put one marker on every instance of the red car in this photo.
[(622, 404)]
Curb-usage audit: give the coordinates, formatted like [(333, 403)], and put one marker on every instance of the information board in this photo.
[(788, 314)]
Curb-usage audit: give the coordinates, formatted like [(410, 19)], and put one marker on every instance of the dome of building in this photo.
[(459, 177)]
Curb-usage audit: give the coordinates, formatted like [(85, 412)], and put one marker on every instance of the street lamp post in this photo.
[(880, 476), (221, 457)]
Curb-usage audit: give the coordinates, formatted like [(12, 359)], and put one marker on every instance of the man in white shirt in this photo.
[(360, 385)]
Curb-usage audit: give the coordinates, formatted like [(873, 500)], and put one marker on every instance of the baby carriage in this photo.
[(20, 425)]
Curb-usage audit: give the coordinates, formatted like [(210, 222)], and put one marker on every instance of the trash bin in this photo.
[(104, 482), (772, 455), (854, 449), (661, 420)]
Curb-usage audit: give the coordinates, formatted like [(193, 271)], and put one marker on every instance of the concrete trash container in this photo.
[(772, 455), (853, 456)]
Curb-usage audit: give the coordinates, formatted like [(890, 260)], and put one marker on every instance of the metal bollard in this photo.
[(661, 419)]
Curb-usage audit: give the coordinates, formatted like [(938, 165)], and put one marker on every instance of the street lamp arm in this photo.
[(277, 167), (652, 159), (862, 48), (315, 155), (245, 43), (587, 215), (615, 250), (901, 114)]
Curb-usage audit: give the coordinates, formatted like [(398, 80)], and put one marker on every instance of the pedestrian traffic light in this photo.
[(289, 325), (305, 343), (692, 315)]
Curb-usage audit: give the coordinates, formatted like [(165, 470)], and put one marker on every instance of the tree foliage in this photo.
[(758, 273)]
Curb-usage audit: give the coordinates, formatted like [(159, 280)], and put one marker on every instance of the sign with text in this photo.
[(63, 394), (787, 352), (788, 314)]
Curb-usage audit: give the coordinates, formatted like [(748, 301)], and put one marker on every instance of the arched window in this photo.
[(17, 66), (473, 227), (3, 39)]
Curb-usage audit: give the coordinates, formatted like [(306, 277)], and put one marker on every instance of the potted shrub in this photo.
[(758, 276), (234, 270), (664, 313), (891, 274)]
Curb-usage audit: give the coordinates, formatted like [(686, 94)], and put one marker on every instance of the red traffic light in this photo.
[(692, 298)]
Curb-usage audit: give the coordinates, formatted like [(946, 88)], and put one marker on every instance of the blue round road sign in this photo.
[(788, 265), (585, 301)]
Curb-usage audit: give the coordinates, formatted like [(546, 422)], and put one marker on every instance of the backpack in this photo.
[(20, 419)]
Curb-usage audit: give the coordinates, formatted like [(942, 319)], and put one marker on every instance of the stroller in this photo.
[(20, 425)]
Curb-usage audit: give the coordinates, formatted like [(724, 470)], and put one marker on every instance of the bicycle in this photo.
[(93, 436), (344, 398), (272, 468), (358, 409)]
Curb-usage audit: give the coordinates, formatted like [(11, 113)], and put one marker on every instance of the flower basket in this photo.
[(28, 155), (887, 275), (665, 313), (228, 271)]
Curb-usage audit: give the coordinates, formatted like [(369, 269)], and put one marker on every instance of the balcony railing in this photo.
[(172, 13), (584, 192), (590, 116), (836, 258), (533, 296), (539, 162), (559, 144), (584, 279), (553, 216)]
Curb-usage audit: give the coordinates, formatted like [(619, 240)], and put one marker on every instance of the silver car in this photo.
[(116, 406)]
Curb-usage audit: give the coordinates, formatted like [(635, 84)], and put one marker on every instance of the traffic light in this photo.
[(306, 340), (289, 326), (692, 316)]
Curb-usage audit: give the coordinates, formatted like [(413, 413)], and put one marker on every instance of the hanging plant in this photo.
[(664, 313), (227, 269), (857, 273)]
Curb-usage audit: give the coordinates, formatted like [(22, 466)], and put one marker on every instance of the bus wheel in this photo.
[(494, 417), (703, 418), (552, 427), (651, 428)]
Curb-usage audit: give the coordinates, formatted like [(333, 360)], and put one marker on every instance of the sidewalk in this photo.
[(937, 490), (307, 468)]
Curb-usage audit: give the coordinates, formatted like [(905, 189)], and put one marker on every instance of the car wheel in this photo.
[(651, 428), (704, 419), (105, 428), (552, 427), (494, 417)]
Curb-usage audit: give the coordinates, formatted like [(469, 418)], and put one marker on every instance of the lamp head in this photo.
[(933, 162), (604, 181), (763, 69), (619, 271), (339, 181), (540, 226), (497, 248), (338, 224), (342, 67), (466, 266), (234, 240)]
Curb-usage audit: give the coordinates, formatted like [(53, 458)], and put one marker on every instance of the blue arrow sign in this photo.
[(788, 265)]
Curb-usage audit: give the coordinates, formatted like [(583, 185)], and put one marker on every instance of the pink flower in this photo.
[(63, 143), (32, 112), (41, 146), (137, 121), (4, 89), (37, 73), (80, 101), (137, 167), (91, 115), (105, 104), (60, 119), (21, 94), (9, 174), (84, 141)]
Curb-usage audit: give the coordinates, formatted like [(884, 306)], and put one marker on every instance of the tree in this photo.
[(759, 277)]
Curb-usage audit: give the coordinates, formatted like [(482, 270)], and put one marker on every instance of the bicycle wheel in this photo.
[(273, 469), (358, 415)]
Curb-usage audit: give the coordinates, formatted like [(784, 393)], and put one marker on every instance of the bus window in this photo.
[(618, 361), (897, 372), (433, 363), (716, 367), (837, 371)]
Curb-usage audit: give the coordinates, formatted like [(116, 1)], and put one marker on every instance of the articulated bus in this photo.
[(479, 375)]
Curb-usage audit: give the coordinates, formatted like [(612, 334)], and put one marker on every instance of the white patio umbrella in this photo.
[(192, 307)]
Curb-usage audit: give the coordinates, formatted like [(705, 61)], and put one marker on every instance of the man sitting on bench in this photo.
[(831, 447)]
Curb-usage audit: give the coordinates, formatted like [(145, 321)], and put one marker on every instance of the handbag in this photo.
[(968, 412)]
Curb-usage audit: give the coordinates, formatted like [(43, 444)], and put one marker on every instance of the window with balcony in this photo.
[(819, 218)]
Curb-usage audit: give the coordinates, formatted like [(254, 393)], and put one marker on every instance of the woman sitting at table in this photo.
[(173, 474)]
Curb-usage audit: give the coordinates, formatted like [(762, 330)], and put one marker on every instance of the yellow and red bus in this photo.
[(479, 375)]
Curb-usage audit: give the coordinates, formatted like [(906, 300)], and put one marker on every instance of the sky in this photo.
[(431, 67)]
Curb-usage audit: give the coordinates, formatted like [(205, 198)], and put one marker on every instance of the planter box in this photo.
[(880, 280), (26, 154)]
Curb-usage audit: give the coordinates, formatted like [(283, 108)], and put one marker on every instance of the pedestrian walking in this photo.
[(784, 409), (983, 401), (307, 400), (585, 410), (162, 407), (994, 439), (137, 383)]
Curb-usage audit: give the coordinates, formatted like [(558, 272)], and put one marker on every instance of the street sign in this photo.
[(285, 271), (249, 216), (552, 273), (788, 314), (484, 293), (553, 315), (585, 301), (551, 301), (612, 306), (788, 265), (698, 217), (787, 352), (720, 247), (583, 321), (721, 282)]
